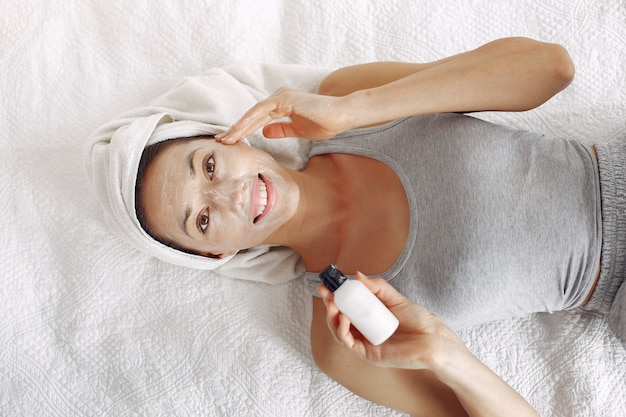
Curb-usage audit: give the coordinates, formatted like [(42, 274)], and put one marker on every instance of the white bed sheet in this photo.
[(90, 327)]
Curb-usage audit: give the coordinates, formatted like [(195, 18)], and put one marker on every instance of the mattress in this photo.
[(91, 327)]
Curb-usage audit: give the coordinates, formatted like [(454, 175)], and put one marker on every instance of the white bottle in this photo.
[(366, 312)]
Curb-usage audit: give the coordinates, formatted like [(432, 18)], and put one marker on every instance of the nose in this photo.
[(231, 193)]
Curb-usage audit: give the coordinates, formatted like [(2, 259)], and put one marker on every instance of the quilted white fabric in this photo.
[(91, 327)]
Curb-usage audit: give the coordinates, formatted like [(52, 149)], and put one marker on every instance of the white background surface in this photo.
[(90, 327)]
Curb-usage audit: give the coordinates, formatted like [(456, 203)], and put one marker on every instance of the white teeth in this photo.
[(262, 198)]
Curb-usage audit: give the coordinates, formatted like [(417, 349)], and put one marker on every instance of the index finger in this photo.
[(243, 127), (259, 115)]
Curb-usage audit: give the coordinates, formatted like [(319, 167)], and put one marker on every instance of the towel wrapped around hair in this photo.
[(201, 105)]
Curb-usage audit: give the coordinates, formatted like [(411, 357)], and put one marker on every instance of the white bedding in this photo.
[(91, 327)]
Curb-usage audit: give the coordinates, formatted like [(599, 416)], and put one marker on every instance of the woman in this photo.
[(472, 220)]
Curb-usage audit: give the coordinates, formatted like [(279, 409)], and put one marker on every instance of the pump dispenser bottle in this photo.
[(366, 312)]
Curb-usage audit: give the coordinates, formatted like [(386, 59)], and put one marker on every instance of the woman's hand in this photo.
[(313, 116), (423, 341), (420, 342)]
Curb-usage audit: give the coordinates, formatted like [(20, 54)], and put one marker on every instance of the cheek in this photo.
[(249, 161), (230, 231)]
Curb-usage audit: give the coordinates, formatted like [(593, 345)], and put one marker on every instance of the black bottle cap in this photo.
[(332, 277)]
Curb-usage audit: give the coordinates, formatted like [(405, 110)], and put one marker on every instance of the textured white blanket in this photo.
[(91, 327)]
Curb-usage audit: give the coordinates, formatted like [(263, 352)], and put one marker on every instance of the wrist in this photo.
[(449, 357), (381, 105), (359, 109)]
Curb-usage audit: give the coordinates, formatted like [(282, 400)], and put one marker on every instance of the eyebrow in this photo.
[(183, 224), (192, 173), (192, 169)]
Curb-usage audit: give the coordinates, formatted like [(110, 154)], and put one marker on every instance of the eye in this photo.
[(209, 166), (203, 221)]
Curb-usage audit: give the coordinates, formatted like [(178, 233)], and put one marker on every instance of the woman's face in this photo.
[(216, 199)]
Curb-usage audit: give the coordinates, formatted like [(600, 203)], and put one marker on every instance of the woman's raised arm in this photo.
[(512, 74)]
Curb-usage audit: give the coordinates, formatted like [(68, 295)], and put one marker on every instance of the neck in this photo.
[(352, 211), (317, 229)]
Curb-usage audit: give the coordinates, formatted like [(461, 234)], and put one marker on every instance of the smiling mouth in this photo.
[(262, 202)]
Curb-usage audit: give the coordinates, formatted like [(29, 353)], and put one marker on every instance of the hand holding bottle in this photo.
[(423, 341), (418, 343)]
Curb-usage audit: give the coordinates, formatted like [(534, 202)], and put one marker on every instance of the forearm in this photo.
[(505, 75), (480, 391)]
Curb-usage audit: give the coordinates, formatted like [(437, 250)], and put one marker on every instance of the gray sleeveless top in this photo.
[(504, 223)]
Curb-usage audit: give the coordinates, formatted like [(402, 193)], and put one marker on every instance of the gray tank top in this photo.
[(504, 223)]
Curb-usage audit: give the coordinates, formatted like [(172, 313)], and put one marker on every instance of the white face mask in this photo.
[(214, 198)]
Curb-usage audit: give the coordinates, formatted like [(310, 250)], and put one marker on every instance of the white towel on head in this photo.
[(201, 105)]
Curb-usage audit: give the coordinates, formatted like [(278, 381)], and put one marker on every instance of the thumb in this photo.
[(382, 289), (278, 130)]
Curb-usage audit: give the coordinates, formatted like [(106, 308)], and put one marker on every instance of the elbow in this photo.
[(551, 60), (548, 70), (554, 64), (561, 66)]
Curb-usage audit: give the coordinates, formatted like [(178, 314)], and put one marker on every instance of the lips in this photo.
[(262, 198)]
